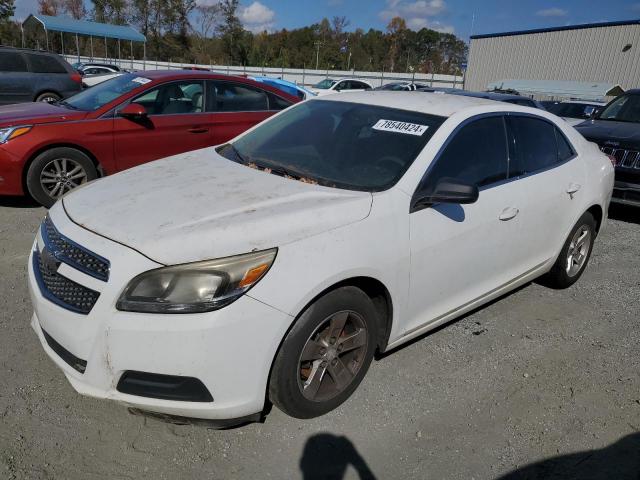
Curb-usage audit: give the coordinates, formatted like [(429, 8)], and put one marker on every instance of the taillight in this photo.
[(614, 160), (76, 77)]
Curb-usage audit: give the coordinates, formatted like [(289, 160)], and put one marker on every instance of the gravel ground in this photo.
[(540, 384)]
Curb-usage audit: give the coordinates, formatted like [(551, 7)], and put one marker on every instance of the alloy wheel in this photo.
[(578, 250), (332, 356), (60, 176)]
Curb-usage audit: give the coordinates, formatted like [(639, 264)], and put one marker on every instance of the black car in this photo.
[(35, 76), (502, 97), (616, 130)]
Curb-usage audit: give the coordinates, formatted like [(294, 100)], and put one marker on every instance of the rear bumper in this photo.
[(626, 193), (10, 173)]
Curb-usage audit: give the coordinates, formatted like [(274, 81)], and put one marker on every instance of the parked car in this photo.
[(329, 85), (291, 88), (48, 149), (95, 73), (402, 86), (96, 68), (574, 112), (501, 97), (35, 76), (616, 130), (273, 267)]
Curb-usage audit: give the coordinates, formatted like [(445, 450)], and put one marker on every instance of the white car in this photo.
[(95, 73), (329, 86), (274, 266)]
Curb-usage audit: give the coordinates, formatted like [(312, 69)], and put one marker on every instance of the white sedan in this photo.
[(275, 266), (329, 86)]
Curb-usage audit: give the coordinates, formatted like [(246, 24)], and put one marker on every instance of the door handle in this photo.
[(508, 214), (198, 130), (572, 189)]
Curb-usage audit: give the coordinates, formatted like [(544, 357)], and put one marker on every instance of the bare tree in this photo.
[(50, 7), (209, 17), (75, 8)]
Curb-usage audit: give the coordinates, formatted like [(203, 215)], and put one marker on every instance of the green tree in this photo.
[(7, 9)]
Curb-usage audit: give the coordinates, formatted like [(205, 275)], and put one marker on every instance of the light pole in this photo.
[(317, 44)]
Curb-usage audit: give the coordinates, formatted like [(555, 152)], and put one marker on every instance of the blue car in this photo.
[(287, 87)]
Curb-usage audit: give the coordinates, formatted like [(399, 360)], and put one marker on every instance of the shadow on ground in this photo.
[(620, 461), (18, 202), (327, 457), (624, 213)]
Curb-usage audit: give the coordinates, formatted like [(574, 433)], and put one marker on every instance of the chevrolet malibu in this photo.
[(273, 267)]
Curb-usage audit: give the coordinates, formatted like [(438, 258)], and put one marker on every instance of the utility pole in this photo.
[(318, 44)]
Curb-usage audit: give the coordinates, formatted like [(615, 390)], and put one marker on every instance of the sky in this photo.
[(461, 17)]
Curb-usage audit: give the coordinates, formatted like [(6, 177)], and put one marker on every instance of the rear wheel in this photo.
[(326, 354), (56, 172), (574, 255), (48, 97)]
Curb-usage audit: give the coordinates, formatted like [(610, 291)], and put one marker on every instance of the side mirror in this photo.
[(447, 190), (133, 111)]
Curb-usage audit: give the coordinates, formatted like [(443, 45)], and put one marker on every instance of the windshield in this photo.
[(95, 97), (337, 144), (325, 84), (623, 109)]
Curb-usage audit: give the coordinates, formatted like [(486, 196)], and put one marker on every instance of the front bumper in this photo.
[(230, 350), (626, 193), (10, 172)]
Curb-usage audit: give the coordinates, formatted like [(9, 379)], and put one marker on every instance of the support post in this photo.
[(46, 35), (78, 48), (119, 55), (106, 50), (22, 35), (91, 42), (131, 45), (62, 42), (144, 55)]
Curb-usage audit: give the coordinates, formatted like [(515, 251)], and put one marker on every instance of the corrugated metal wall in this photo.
[(589, 54)]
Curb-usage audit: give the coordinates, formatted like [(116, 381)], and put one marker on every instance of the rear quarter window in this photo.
[(12, 62), (45, 64)]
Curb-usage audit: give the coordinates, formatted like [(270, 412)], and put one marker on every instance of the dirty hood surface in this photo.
[(199, 206)]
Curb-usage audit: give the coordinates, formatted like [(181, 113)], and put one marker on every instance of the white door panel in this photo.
[(462, 252)]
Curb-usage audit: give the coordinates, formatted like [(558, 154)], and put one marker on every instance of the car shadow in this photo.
[(619, 461), (19, 202), (624, 213), (327, 457)]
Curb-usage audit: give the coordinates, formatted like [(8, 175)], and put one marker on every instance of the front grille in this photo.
[(72, 254), (625, 158), (60, 289)]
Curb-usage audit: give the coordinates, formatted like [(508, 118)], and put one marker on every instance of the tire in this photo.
[(48, 97), (61, 167), (305, 388), (574, 255)]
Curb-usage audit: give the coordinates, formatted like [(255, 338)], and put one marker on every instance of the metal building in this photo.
[(597, 52)]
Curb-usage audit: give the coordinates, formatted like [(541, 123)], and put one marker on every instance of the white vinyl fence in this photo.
[(296, 75)]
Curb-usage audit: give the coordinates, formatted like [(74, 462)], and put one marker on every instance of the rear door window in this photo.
[(477, 154), (234, 97), (535, 145), (12, 62), (45, 64)]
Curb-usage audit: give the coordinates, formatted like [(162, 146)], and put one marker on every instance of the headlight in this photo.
[(10, 133), (195, 287)]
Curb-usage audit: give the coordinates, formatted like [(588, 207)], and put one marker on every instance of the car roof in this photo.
[(441, 104), (585, 102), (492, 95)]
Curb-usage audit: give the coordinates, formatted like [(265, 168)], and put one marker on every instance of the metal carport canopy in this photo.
[(84, 27), (560, 88)]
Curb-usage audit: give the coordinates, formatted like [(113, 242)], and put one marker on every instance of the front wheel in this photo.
[(326, 354), (574, 255), (56, 172)]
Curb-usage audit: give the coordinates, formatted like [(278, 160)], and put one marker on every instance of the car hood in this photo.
[(601, 131), (199, 206), (35, 113)]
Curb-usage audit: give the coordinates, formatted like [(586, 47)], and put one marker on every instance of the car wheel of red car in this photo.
[(56, 172)]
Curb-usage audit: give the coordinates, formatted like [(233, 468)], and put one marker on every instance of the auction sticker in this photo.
[(140, 80), (400, 127)]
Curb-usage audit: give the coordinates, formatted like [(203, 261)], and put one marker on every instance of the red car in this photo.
[(48, 149)]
